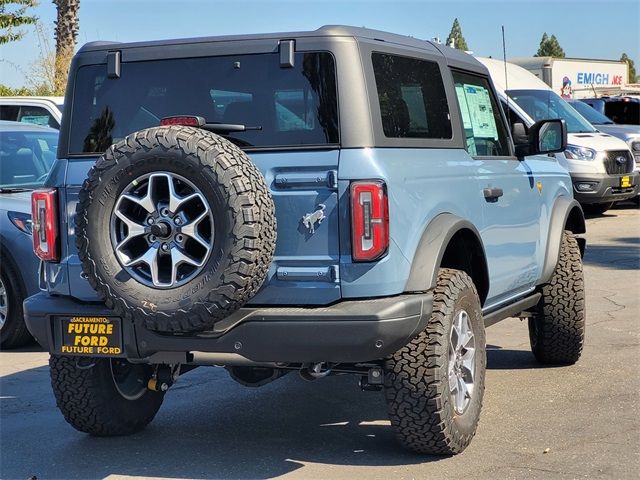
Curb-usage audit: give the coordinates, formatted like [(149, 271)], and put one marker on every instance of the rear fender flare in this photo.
[(431, 249)]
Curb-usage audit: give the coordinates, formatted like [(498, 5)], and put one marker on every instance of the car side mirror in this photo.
[(545, 136)]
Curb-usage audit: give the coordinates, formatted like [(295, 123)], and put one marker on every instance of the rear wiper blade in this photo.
[(200, 122), (229, 127), (14, 189)]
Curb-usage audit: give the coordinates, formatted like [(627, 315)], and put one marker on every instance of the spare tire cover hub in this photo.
[(162, 230)]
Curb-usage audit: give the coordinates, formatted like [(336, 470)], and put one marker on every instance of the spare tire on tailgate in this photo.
[(175, 228)]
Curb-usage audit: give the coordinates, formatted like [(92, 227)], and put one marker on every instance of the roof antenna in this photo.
[(506, 84)]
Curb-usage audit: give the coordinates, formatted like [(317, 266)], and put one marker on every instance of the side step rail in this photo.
[(511, 310)]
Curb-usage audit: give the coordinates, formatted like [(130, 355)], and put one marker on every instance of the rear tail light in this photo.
[(184, 120), (45, 224), (369, 220)]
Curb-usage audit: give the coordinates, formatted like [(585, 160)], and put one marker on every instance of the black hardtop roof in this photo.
[(324, 31)]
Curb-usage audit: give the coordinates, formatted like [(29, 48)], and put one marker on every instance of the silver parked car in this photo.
[(27, 153), (629, 133)]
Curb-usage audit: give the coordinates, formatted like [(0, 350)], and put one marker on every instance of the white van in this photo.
[(602, 167)]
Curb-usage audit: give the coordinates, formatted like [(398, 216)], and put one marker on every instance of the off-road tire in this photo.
[(90, 402), (557, 327), (416, 376), (14, 332), (244, 218), (597, 208)]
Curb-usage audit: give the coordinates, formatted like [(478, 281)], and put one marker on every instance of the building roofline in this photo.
[(550, 59)]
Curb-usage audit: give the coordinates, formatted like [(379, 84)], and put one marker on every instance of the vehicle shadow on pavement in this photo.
[(505, 359), (211, 427), (31, 347), (620, 257), (208, 427), (612, 212)]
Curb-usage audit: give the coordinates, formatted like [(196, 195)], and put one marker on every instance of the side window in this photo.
[(9, 112), (484, 130), (412, 99), (37, 116), (624, 112)]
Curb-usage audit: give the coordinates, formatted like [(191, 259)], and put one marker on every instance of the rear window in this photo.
[(292, 106), (26, 157), (413, 103)]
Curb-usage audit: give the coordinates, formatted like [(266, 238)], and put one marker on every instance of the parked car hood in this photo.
[(621, 131), (597, 140)]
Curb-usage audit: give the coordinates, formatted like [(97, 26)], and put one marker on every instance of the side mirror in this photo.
[(545, 136)]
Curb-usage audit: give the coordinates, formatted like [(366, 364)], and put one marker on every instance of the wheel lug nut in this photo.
[(178, 220), (150, 221), (165, 247), (152, 238)]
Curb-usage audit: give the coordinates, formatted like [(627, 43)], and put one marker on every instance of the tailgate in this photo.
[(305, 267)]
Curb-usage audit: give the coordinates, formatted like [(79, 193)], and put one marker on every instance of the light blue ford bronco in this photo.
[(341, 201)]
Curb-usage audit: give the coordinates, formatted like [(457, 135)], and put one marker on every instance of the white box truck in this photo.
[(577, 77)]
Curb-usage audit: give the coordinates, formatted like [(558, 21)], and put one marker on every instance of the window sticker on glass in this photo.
[(481, 112), (35, 119), (464, 108)]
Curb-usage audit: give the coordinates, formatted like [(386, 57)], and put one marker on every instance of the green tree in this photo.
[(13, 14), (10, 92), (456, 37), (549, 47), (66, 35), (632, 67)]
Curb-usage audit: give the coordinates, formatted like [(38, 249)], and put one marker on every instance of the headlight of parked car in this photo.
[(575, 152), (635, 146), (21, 220)]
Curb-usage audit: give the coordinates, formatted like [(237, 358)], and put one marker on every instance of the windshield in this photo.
[(286, 106), (590, 113), (546, 105), (26, 158)]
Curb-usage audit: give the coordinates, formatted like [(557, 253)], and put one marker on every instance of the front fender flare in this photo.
[(565, 214)]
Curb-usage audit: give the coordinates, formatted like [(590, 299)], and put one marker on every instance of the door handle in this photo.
[(492, 194)]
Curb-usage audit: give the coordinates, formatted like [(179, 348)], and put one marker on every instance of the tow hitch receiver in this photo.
[(163, 377)]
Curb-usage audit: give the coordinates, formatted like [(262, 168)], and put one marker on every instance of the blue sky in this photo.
[(585, 28)]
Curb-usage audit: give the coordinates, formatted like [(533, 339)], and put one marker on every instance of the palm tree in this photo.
[(66, 34), (13, 15)]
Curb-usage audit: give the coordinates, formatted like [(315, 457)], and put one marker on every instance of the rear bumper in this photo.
[(605, 188), (347, 332)]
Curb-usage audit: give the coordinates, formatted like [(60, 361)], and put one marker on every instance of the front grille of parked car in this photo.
[(614, 167)]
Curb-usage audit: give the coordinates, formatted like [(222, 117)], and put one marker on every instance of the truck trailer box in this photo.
[(576, 77)]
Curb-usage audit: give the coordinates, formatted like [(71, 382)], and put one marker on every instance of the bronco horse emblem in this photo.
[(309, 220)]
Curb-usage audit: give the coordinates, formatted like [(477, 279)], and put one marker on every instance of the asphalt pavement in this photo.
[(537, 422)]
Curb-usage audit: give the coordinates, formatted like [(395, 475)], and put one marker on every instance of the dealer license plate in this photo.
[(91, 336), (625, 182)]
